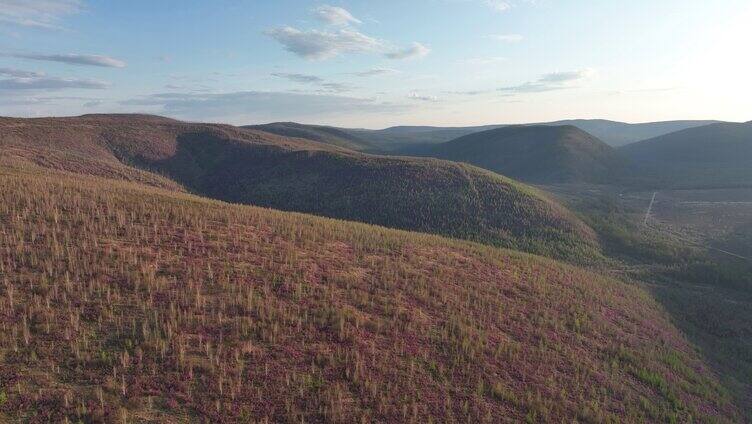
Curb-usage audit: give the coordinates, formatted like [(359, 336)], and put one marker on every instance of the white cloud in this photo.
[(325, 44), (416, 96), (552, 82), (37, 13), (335, 15), (319, 45), (416, 50), (498, 5), (49, 83), (507, 38), (74, 59)]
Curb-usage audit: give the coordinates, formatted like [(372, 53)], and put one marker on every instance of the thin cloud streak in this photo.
[(551, 82), (17, 73), (50, 83), (325, 87), (375, 72), (301, 78), (44, 14), (73, 59)]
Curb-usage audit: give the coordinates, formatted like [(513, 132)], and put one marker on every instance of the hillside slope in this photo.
[(258, 168), (717, 155), (537, 154), (322, 134), (127, 303)]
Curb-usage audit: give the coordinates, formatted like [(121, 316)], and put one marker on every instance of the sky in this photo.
[(374, 64)]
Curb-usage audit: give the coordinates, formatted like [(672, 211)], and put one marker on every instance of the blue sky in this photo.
[(374, 64)]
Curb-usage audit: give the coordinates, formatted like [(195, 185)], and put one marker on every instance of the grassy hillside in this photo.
[(322, 134), (538, 154), (717, 155), (128, 303), (253, 167)]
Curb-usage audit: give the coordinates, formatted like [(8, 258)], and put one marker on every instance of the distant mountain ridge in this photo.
[(398, 138), (612, 133), (618, 134)]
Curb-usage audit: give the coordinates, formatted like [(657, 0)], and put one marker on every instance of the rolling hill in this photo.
[(536, 154), (128, 303), (716, 155), (253, 167), (322, 134)]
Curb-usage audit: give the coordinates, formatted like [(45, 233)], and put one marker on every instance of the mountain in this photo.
[(537, 154), (128, 303), (253, 167), (611, 132), (716, 155), (621, 133), (322, 134)]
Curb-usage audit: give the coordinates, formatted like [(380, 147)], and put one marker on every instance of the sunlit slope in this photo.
[(122, 302), (254, 167)]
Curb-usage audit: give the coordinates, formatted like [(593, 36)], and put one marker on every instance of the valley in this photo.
[(691, 253)]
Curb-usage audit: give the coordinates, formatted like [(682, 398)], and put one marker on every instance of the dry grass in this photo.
[(122, 303)]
